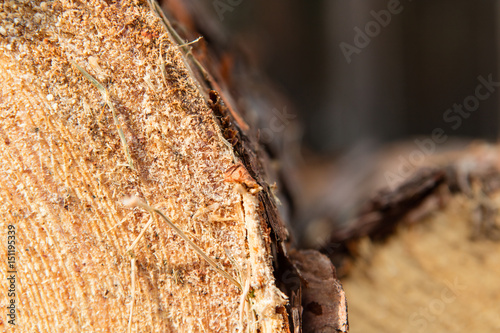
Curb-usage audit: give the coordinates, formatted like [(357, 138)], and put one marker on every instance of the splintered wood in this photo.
[(71, 151)]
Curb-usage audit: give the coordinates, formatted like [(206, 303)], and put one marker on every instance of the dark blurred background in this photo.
[(398, 84)]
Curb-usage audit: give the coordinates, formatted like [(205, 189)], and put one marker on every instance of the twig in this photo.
[(134, 201), (192, 42), (132, 246), (162, 63), (132, 273), (105, 95), (118, 224)]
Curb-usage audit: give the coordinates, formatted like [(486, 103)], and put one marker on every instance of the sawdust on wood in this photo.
[(64, 175)]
